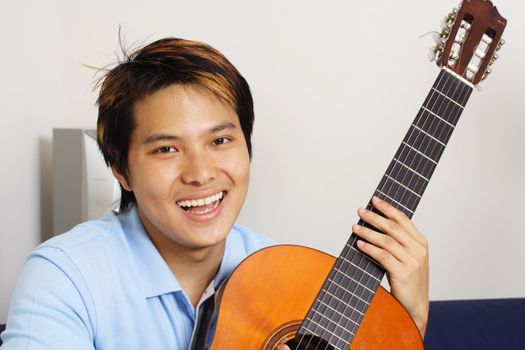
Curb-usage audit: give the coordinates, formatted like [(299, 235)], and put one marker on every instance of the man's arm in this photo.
[(48, 310)]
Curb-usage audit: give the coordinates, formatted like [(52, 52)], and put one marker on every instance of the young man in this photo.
[(175, 121)]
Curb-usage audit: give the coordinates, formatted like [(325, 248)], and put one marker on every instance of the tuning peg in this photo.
[(451, 17), (493, 59), (436, 51), (445, 32), (500, 44), (486, 74)]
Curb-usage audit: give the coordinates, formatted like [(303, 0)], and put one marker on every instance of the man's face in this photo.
[(188, 167)]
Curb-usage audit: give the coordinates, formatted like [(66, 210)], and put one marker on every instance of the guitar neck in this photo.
[(410, 171), (351, 285)]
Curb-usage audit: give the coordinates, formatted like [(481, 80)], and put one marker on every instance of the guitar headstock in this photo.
[(470, 39)]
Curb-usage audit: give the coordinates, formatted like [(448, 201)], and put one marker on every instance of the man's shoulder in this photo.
[(250, 239), (101, 240), (90, 232)]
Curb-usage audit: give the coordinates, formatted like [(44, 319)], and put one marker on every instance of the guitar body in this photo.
[(270, 293)]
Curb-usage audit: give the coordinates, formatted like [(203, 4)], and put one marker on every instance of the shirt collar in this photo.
[(234, 253), (153, 273)]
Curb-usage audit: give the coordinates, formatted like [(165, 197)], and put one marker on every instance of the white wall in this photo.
[(336, 85)]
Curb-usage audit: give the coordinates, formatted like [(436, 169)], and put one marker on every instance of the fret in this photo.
[(351, 305), (450, 87), (336, 312), (416, 161), (427, 134), (352, 279), (341, 291), (406, 176), (442, 108), (436, 127), (454, 88), (420, 152), (437, 116), (330, 333), (332, 326), (361, 277), (447, 97), (319, 319), (351, 253), (402, 185), (359, 298), (360, 274), (358, 267), (424, 144), (341, 315), (358, 258), (410, 169), (351, 312), (392, 200), (399, 195), (339, 324)]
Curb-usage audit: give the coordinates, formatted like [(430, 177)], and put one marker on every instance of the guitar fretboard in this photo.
[(340, 306)]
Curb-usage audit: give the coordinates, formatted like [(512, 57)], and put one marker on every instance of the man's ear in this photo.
[(121, 178)]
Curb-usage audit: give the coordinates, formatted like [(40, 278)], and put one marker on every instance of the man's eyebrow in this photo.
[(169, 137), (160, 137), (221, 127)]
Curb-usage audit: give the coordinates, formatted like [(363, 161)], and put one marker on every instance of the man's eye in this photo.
[(221, 141), (166, 149)]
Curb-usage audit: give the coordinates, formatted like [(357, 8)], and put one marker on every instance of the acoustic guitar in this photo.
[(310, 300)]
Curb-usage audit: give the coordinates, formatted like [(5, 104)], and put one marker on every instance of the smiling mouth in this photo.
[(201, 205)]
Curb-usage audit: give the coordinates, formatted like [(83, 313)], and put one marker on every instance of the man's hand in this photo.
[(403, 251)]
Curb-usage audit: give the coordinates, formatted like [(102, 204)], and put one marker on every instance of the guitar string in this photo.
[(418, 140), (353, 328), (410, 134), (460, 110), (404, 176), (446, 103), (335, 275), (383, 184)]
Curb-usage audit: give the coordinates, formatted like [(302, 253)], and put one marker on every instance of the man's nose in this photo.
[(199, 168)]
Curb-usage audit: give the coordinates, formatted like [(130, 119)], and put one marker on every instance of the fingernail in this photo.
[(356, 227), (361, 211), (376, 199)]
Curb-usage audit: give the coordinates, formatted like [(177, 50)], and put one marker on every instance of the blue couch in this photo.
[(493, 324), (476, 324)]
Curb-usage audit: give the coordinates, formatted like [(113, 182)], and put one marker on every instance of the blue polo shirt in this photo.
[(104, 285)]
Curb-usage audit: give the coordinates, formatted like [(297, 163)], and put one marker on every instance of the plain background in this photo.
[(336, 85)]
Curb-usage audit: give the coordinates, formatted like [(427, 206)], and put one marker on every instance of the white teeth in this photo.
[(207, 210), (201, 201)]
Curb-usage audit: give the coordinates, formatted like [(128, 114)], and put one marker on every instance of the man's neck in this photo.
[(196, 273), (193, 268)]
